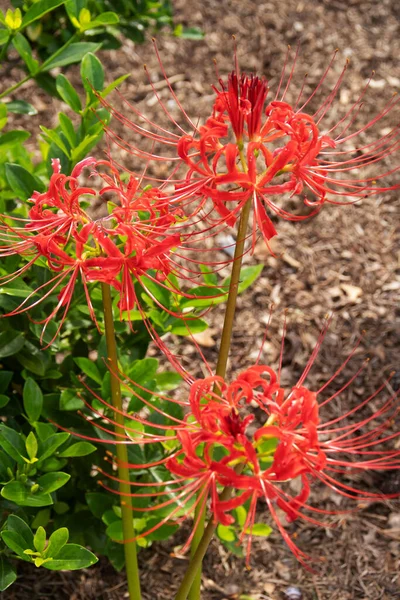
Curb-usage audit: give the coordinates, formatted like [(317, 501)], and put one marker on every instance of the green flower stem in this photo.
[(202, 538), (132, 570), (195, 564)]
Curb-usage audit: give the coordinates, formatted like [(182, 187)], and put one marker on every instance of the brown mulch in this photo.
[(346, 260)]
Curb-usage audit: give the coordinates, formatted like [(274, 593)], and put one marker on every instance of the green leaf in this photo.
[(84, 147), (188, 33), (5, 378), (50, 445), (260, 529), (12, 138), (99, 503), (23, 48), (31, 446), (39, 540), (168, 380), (15, 491), (89, 368), (111, 86), (106, 18), (57, 541), (70, 558), (4, 36), (241, 515), (52, 136), (188, 326), (69, 55), (70, 401), (50, 482), (92, 72), (143, 370), (42, 518), (247, 276), (205, 296), (7, 574), (20, 107), (22, 182), (19, 526), (4, 400), (209, 277), (68, 93), (16, 543), (226, 533), (78, 449), (3, 114), (33, 359), (33, 399), (67, 128), (38, 10), (12, 443)]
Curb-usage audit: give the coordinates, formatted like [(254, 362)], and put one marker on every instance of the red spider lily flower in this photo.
[(217, 443), (259, 149), (133, 244)]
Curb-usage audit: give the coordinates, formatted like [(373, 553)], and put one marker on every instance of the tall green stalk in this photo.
[(202, 537), (132, 570)]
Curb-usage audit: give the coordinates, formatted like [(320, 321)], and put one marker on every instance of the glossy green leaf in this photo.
[(260, 529), (50, 482), (143, 370), (248, 275), (168, 380), (57, 541), (5, 378), (106, 18), (21, 181), (92, 72), (188, 327), (111, 86), (33, 359), (71, 54), (31, 446), (38, 10), (70, 558), (42, 518), (67, 127), (33, 399), (4, 36), (68, 92), (17, 492), (19, 526), (99, 503), (226, 533), (16, 543), (39, 540), (89, 368), (70, 401), (24, 49), (7, 573), (3, 114), (50, 445), (4, 400), (21, 107), (51, 135), (84, 147), (78, 449), (12, 443), (13, 138)]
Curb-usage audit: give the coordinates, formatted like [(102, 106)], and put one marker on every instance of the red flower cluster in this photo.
[(218, 445), (132, 244), (251, 149)]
